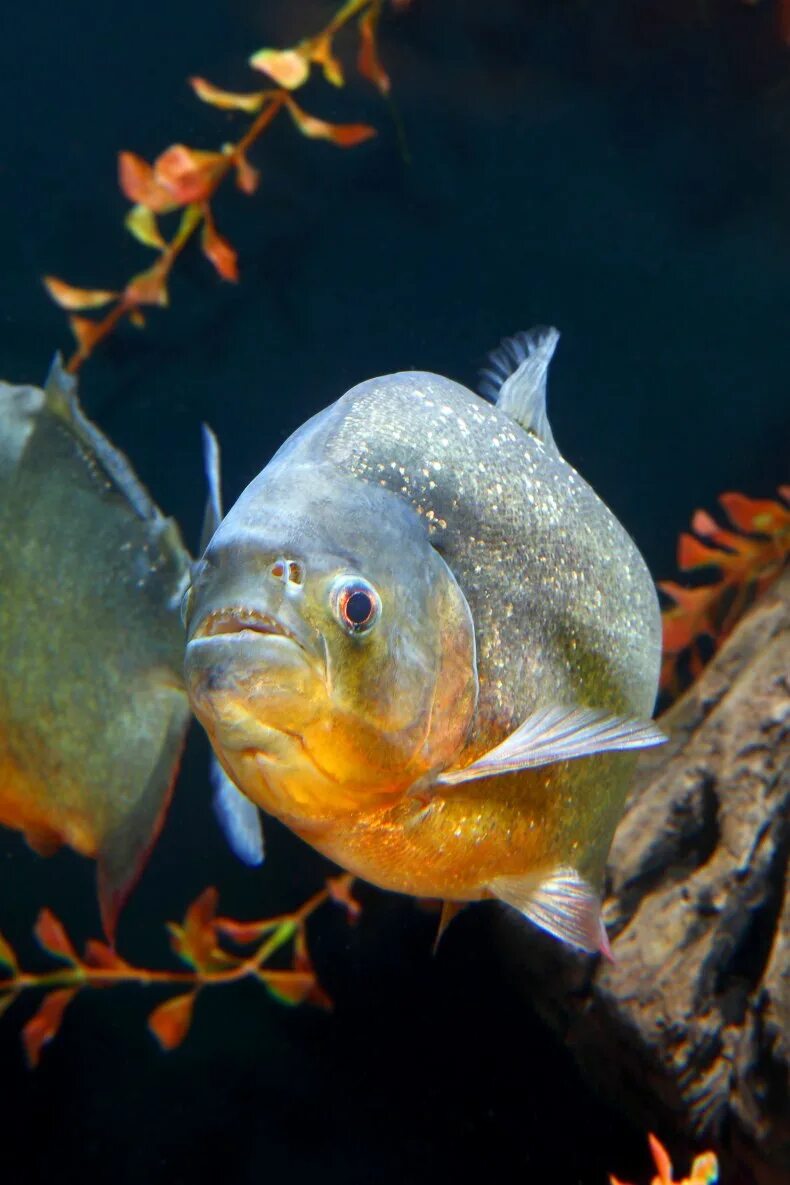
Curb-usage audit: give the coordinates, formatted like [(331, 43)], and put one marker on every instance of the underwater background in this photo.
[(619, 170)]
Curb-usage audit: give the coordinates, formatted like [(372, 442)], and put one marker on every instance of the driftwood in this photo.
[(689, 1030)]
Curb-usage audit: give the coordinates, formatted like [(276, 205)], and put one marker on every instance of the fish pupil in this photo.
[(358, 608)]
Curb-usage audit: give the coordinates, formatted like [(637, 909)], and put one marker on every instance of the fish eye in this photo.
[(356, 604)]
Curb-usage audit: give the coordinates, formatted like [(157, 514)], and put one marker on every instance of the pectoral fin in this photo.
[(562, 903), (559, 734), (239, 819)]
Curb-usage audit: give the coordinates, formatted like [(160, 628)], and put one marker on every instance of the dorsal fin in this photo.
[(212, 515), (515, 379)]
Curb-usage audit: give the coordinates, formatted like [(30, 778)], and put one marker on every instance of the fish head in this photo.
[(330, 651)]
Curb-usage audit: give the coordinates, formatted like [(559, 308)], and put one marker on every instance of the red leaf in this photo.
[(344, 135), (762, 516), (691, 600), (247, 177), (243, 933), (136, 179), (86, 332), (694, 554), (368, 62), (170, 1022), (42, 1027), (289, 987), (99, 954), (219, 251), (188, 174), (679, 631), (708, 528), (340, 891), (51, 935), (303, 963), (195, 941), (784, 20)]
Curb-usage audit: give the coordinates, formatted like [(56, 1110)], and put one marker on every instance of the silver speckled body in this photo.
[(564, 607), (564, 613)]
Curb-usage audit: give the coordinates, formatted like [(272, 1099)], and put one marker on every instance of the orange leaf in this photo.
[(679, 631), (99, 954), (42, 1027), (85, 331), (141, 222), (368, 62), (136, 179), (247, 177), (345, 135), (243, 933), (69, 297), (704, 1170), (219, 251), (691, 600), (170, 1022), (147, 287), (227, 100), (320, 52), (51, 935), (288, 67), (289, 987), (340, 891), (137, 319), (7, 956), (661, 1158), (187, 174)]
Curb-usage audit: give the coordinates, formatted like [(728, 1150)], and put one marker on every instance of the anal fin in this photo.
[(450, 910), (562, 903)]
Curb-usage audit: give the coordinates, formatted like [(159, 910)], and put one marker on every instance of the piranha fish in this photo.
[(93, 709), (422, 641)]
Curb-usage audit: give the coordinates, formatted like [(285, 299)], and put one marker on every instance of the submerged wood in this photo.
[(688, 1032)]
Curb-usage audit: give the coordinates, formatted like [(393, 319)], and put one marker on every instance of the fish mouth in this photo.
[(239, 621), (222, 630)]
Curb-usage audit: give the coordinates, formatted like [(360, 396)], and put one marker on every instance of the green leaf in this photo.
[(141, 222)]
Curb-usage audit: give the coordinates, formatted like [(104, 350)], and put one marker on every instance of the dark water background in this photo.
[(620, 170)]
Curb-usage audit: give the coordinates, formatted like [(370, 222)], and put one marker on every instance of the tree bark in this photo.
[(689, 1030)]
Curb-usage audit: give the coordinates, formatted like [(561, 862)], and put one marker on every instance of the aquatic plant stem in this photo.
[(133, 296)]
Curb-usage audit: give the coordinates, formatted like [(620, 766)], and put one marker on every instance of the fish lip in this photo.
[(236, 620)]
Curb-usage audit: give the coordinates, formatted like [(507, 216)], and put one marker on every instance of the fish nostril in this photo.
[(290, 572)]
